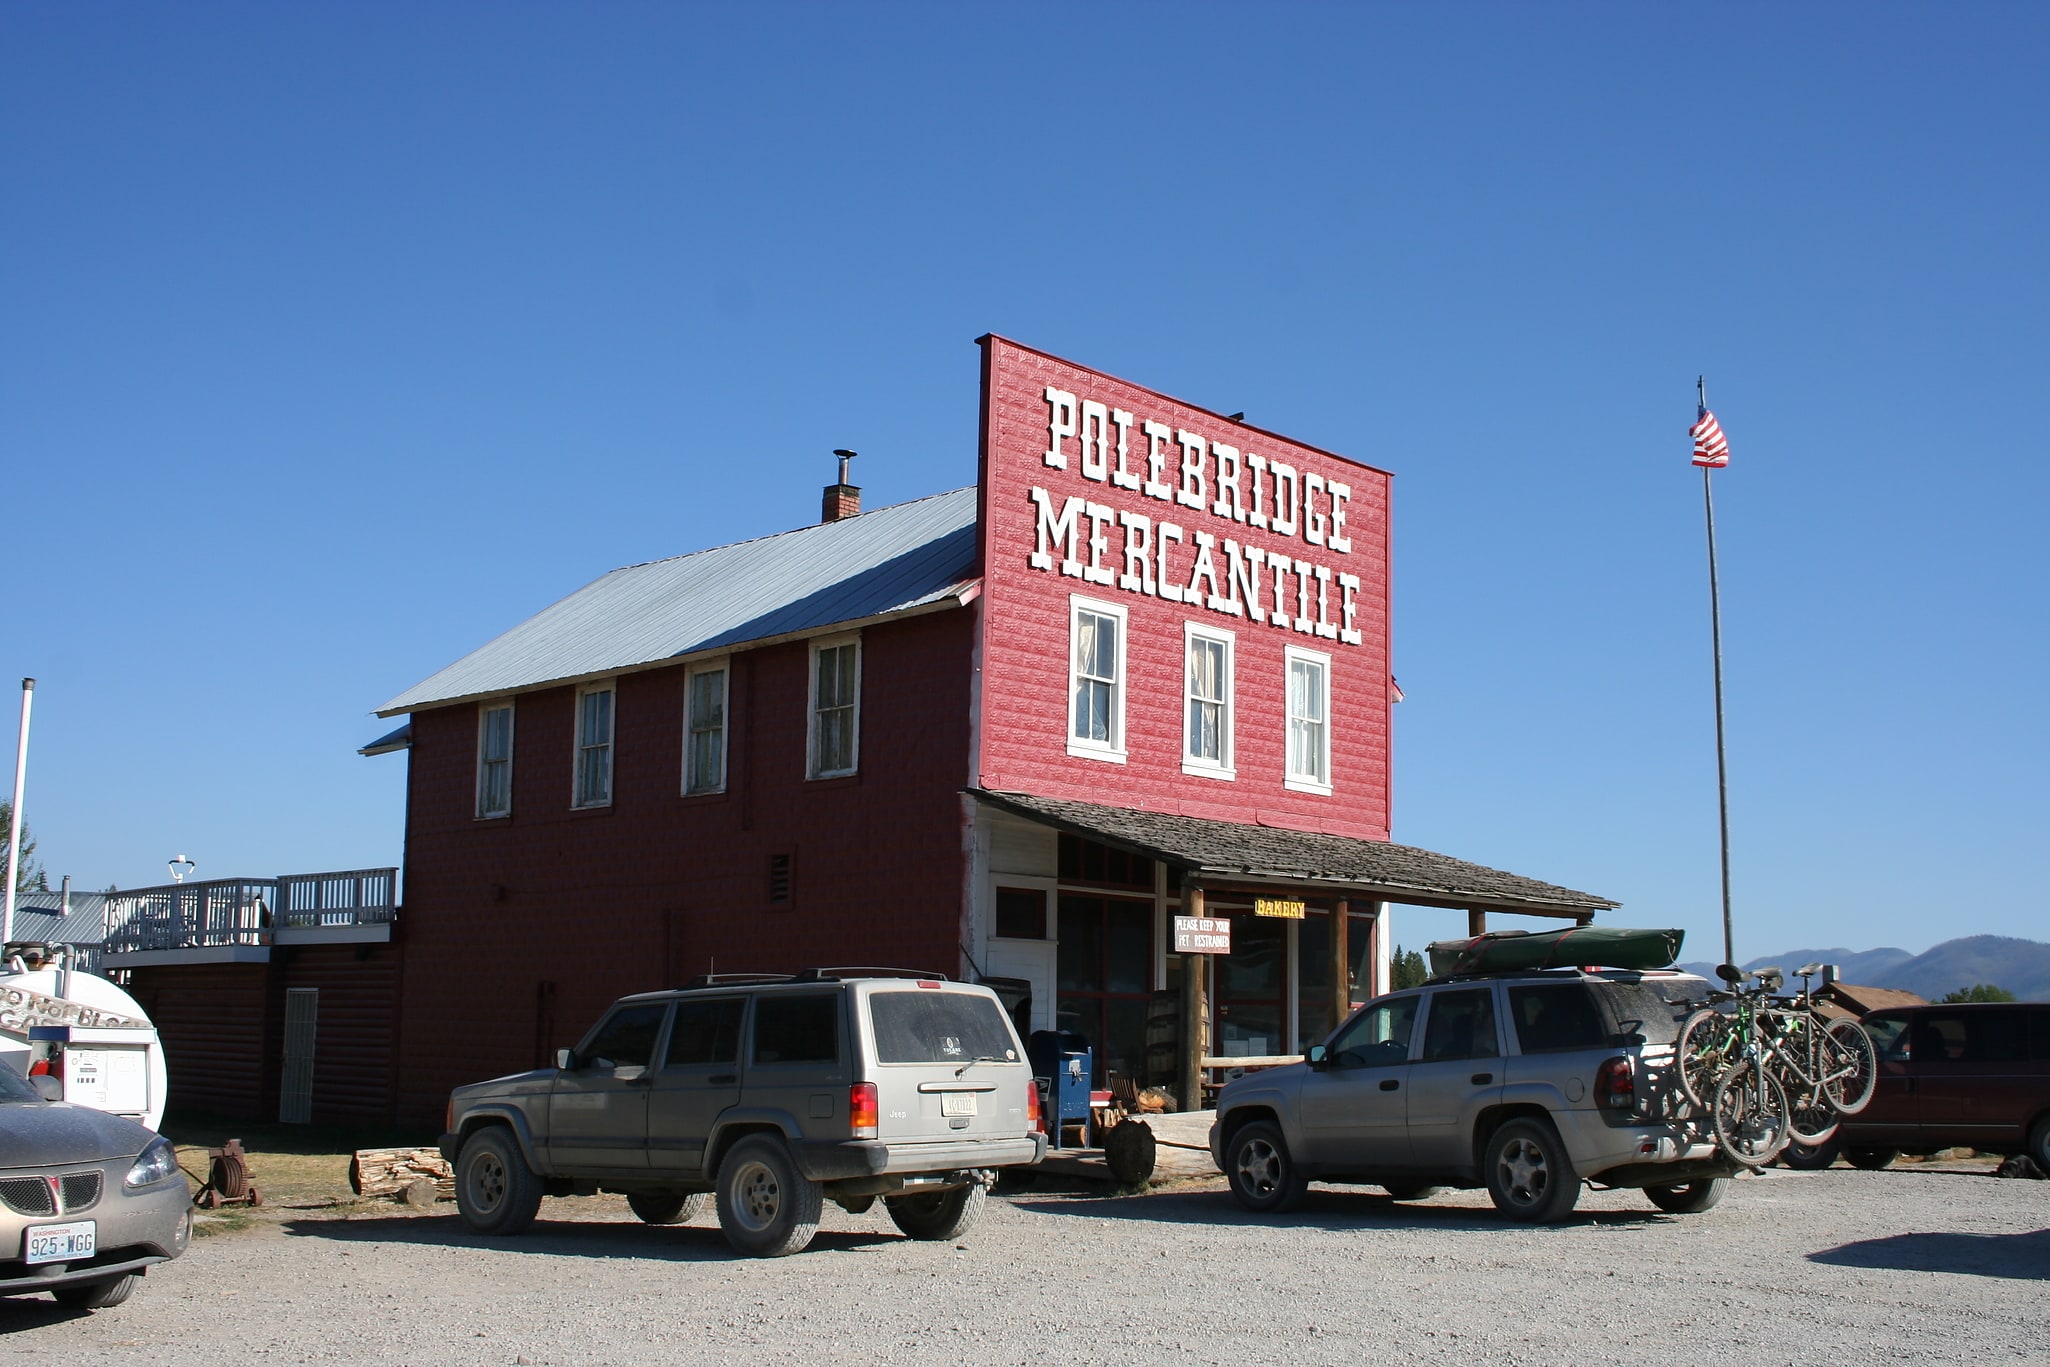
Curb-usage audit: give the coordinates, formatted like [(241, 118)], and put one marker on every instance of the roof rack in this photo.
[(731, 979), (825, 975)]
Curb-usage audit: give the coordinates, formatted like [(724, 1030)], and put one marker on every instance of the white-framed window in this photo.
[(594, 746), (1309, 721), (1207, 701), (1096, 679), (834, 734), (704, 728), (494, 758)]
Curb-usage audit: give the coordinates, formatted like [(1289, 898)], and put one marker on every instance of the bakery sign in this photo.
[(1191, 512)]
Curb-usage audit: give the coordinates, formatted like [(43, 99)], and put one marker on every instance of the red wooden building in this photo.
[(1007, 731)]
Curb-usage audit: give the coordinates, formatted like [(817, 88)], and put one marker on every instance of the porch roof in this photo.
[(1223, 851)]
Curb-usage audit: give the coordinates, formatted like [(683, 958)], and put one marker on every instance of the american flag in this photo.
[(1711, 447)]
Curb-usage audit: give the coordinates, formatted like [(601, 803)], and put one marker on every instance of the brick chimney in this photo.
[(841, 500)]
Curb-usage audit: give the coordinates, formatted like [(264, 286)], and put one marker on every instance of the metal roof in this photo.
[(1228, 850), (898, 559), (40, 916)]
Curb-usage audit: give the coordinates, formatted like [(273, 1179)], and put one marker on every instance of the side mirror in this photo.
[(566, 1059), (47, 1087), (1318, 1057)]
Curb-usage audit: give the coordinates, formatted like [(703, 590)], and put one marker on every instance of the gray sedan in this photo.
[(87, 1200)]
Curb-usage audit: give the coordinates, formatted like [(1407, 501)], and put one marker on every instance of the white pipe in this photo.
[(28, 694)]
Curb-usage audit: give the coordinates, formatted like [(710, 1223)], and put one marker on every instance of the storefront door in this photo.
[(1105, 976)]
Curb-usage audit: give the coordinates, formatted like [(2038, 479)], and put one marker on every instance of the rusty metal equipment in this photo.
[(227, 1179)]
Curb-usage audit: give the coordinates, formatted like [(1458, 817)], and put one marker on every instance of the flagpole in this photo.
[(1715, 629)]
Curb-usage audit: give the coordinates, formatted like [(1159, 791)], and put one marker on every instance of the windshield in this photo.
[(1654, 1007), (15, 1087), (939, 1027)]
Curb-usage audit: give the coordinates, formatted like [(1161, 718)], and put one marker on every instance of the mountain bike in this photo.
[(1726, 1067)]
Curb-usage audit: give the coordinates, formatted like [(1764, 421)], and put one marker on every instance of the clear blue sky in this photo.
[(335, 339)]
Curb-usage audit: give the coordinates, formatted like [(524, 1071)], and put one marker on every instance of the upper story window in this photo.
[(594, 746), (1309, 721), (494, 759), (1096, 680), (1207, 703), (704, 730), (835, 741)]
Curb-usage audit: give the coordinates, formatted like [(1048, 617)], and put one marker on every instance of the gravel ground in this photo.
[(1905, 1266)]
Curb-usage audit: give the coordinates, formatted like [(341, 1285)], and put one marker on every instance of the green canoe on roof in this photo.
[(1507, 951)]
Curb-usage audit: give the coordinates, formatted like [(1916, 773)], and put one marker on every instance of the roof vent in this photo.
[(842, 500)]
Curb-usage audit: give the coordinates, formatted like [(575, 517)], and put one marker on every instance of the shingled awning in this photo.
[(1225, 851)]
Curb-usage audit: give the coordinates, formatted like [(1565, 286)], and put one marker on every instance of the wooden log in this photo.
[(388, 1172)]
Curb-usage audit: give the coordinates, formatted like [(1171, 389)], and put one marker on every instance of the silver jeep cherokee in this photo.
[(1528, 1083), (774, 1092)]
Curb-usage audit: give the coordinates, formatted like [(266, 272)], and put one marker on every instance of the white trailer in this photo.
[(86, 1032)]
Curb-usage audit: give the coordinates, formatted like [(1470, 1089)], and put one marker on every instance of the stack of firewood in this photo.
[(418, 1177)]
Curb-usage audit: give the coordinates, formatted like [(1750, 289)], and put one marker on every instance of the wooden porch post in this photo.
[(1341, 961), (1195, 1009), (1476, 921)]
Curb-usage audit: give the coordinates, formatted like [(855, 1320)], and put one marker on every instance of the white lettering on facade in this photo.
[(1138, 551), (1283, 520), (1304, 570), (1348, 585), (1119, 475), (1060, 422), (1337, 540), (1257, 464), (1194, 452), (1325, 626), (1096, 572), (1055, 529), (1245, 576), (1164, 532), (1095, 435), (1227, 458), (1156, 458), (1313, 521)]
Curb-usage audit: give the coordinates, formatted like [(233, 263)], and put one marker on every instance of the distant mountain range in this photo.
[(2020, 966)]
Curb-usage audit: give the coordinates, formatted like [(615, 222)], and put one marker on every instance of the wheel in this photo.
[(767, 1208), (1810, 1157), (1529, 1176), (1410, 1191), (2039, 1143), (1689, 1198), (1871, 1160), (496, 1191), (1262, 1175), (660, 1209), (1853, 1066), (96, 1295), (938, 1215), (1750, 1115), (1811, 1120), (1699, 1050)]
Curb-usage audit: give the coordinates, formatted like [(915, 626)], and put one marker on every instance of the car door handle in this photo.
[(1482, 1079), (717, 1078), (1389, 1084)]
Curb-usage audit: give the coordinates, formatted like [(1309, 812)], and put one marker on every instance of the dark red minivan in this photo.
[(1972, 1076)]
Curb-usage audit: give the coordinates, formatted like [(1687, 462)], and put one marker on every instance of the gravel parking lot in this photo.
[(1919, 1265)]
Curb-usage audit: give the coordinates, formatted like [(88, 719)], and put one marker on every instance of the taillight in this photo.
[(1615, 1085), (862, 1109), (448, 1120), (1032, 1114)]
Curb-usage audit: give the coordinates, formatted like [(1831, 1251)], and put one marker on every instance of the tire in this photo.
[(1750, 1123), (939, 1215), (1262, 1174), (2039, 1143), (1853, 1048), (1810, 1157), (496, 1191), (96, 1295), (1410, 1191), (1689, 1198), (767, 1208), (660, 1209), (1530, 1179), (1871, 1160), (1699, 1050), (1811, 1120)]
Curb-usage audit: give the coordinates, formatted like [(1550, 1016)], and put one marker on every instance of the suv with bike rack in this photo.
[(1529, 1083), (773, 1091)]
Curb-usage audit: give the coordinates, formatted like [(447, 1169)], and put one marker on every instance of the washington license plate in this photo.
[(62, 1243), (957, 1103)]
